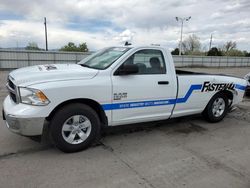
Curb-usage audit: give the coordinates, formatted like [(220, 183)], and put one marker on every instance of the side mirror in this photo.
[(127, 69)]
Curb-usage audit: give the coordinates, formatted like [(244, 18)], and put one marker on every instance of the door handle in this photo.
[(163, 82)]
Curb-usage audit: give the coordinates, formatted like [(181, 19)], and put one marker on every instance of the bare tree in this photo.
[(192, 43), (230, 45)]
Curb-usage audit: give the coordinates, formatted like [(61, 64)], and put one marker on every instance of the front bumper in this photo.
[(22, 119), (24, 126)]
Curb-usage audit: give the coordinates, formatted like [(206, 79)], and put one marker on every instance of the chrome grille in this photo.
[(12, 90)]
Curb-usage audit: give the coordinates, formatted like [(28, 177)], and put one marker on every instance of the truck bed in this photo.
[(186, 73), (183, 72)]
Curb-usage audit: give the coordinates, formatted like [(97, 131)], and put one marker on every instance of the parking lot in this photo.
[(184, 152)]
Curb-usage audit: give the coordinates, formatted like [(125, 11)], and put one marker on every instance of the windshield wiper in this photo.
[(84, 65)]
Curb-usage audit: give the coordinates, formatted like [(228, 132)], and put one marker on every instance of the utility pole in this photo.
[(46, 37), (180, 45), (210, 44), (181, 20)]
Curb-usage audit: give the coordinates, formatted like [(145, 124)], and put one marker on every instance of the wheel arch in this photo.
[(91, 103), (209, 114), (229, 94)]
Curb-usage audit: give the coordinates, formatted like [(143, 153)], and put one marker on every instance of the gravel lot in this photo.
[(185, 152)]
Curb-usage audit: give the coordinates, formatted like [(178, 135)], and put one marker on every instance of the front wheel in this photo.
[(74, 127), (217, 108)]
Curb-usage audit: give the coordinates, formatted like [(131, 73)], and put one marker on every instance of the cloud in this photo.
[(125, 36), (103, 23)]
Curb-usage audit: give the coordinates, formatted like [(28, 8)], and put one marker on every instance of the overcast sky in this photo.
[(103, 23)]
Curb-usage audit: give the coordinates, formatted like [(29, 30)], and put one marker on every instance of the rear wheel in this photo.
[(217, 108), (74, 127)]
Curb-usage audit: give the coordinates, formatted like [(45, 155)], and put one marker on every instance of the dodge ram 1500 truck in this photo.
[(114, 86)]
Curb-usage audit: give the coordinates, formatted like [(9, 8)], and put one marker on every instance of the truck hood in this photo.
[(50, 73)]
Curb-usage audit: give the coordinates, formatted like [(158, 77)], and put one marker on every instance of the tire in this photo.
[(217, 108), (74, 127), (247, 92)]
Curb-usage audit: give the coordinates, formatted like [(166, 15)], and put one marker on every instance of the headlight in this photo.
[(33, 97)]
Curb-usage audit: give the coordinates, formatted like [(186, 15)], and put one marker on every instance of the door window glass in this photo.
[(148, 61)]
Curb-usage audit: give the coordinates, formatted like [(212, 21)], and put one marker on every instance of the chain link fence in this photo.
[(11, 59)]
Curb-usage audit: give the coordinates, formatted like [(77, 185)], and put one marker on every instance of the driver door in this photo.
[(143, 96)]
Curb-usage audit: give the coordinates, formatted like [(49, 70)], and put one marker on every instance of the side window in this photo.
[(148, 61)]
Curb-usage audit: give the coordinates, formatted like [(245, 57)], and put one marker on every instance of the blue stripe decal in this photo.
[(240, 87), (140, 104), (190, 91)]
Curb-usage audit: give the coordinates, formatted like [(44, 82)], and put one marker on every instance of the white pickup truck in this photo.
[(114, 86)]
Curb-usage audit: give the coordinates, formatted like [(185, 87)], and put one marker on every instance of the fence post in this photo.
[(219, 60), (28, 55), (54, 57)]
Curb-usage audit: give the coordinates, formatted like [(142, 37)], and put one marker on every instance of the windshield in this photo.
[(103, 58)]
